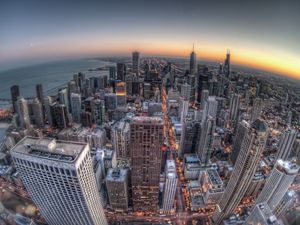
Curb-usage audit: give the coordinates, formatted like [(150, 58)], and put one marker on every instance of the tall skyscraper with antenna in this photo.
[(193, 62), (227, 68)]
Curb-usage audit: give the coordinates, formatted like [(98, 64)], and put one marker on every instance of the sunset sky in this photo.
[(262, 34)]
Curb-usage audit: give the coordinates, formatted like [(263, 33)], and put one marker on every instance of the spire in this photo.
[(193, 47)]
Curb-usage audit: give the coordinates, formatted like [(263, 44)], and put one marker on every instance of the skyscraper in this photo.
[(261, 214), (193, 62), (170, 186), (59, 114), (185, 91), (121, 139), (117, 188), (278, 183), (59, 178), (37, 110), (121, 71), (76, 107), (136, 62), (63, 98), (146, 139), (256, 109), (99, 111), (39, 93), (206, 140), (121, 93), (15, 93), (227, 67), (48, 103), (234, 108), (23, 114), (286, 142), (204, 97), (244, 169)]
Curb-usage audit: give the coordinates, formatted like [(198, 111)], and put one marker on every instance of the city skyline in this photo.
[(260, 35)]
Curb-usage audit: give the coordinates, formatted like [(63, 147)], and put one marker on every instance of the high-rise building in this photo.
[(212, 186), (146, 139), (170, 186), (257, 183), (121, 71), (206, 139), (286, 142), (189, 138), (15, 93), (59, 114), (117, 188), (37, 110), (234, 108), (241, 132), (280, 179), (261, 214), (202, 82), (110, 101), (136, 63), (23, 113), (112, 72), (39, 93), (210, 108), (183, 109), (99, 111), (256, 109), (63, 98), (76, 107), (204, 97), (121, 139), (286, 202), (244, 169), (193, 62), (121, 93), (48, 103), (59, 178), (191, 80), (227, 67), (185, 91)]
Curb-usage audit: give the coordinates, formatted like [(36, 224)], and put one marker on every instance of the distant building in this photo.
[(117, 188), (121, 71), (99, 111), (59, 114), (23, 113), (121, 93), (39, 93), (110, 101), (59, 178), (76, 107), (15, 93), (37, 110), (234, 108), (136, 62), (146, 139), (193, 62)]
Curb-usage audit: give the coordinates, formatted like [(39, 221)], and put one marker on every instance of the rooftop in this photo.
[(287, 166), (49, 148), (115, 174)]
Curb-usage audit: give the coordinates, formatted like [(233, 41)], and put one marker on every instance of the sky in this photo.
[(261, 34)]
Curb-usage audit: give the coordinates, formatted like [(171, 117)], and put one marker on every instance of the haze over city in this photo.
[(260, 34)]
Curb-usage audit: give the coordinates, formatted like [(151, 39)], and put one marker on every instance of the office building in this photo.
[(121, 71), (256, 109), (121, 93), (244, 169), (234, 108), (136, 63), (212, 186), (76, 107), (287, 202), (37, 111), (185, 91), (256, 185), (170, 186), (204, 97), (146, 139), (59, 114), (39, 93), (121, 139), (286, 142), (23, 113), (193, 62), (262, 214), (15, 93), (59, 178), (48, 115), (110, 101), (227, 67), (189, 138), (99, 111), (117, 188), (206, 140), (277, 184)]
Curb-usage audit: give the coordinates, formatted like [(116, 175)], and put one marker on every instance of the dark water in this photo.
[(49, 75)]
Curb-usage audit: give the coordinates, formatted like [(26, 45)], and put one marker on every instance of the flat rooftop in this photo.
[(287, 167), (214, 177), (171, 169), (119, 175), (49, 148), (147, 120)]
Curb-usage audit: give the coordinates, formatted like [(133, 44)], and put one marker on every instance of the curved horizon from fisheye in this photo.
[(261, 35)]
